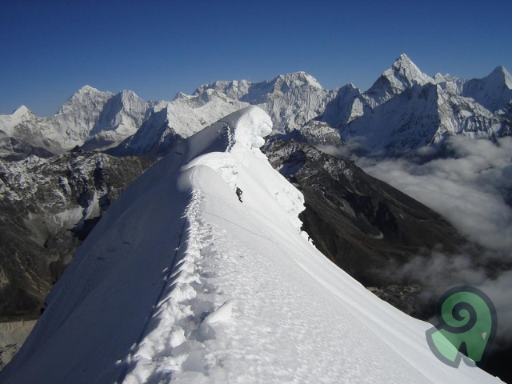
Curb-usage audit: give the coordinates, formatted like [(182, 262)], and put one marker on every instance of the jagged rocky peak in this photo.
[(403, 74), (198, 100), (494, 91), (182, 96), (129, 97), (7, 122), (450, 84), (87, 89), (439, 78), (403, 68), (241, 89), (86, 96), (346, 106), (22, 111), (129, 103), (298, 79), (500, 74), (235, 89)]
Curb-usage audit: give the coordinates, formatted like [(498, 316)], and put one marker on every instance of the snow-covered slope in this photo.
[(180, 281)]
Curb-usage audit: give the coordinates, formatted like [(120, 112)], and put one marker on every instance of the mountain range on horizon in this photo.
[(403, 110)]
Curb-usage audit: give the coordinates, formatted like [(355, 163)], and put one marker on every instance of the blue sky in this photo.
[(156, 48)]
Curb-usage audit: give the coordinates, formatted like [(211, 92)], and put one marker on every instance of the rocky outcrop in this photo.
[(47, 207)]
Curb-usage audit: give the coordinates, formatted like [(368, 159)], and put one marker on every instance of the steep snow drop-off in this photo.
[(180, 281)]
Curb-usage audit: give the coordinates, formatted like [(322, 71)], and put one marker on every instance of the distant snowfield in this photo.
[(180, 282)]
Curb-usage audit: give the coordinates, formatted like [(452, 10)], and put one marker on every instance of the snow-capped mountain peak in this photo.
[(86, 97), (404, 68), (403, 74), (292, 99), (299, 79), (500, 75), (88, 89), (21, 111), (494, 91), (20, 115)]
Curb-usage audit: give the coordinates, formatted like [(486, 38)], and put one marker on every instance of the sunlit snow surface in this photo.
[(180, 282)]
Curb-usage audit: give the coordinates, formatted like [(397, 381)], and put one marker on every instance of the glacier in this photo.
[(181, 282)]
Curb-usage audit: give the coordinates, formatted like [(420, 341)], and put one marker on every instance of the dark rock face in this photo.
[(12, 149), (47, 207), (410, 299), (362, 224)]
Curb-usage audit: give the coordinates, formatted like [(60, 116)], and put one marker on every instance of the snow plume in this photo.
[(472, 189)]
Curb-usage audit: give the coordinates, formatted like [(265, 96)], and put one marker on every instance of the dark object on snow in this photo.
[(76, 149), (239, 193)]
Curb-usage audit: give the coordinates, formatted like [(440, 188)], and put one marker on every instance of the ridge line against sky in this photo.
[(158, 48)]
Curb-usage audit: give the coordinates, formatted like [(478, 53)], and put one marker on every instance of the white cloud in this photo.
[(472, 189), (469, 189)]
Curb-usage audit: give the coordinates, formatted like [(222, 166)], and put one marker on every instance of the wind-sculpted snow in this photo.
[(181, 281)]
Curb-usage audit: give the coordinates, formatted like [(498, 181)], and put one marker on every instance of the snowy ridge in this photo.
[(180, 281)]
